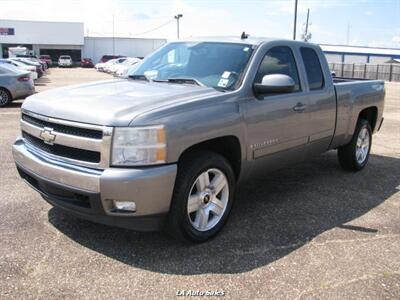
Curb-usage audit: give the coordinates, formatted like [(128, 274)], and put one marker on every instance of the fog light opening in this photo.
[(125, 206)]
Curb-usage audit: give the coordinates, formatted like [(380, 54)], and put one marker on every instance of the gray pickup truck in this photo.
[(166, 146)]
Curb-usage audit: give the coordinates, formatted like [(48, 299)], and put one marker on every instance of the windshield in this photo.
[(216, 65), (65, 57)]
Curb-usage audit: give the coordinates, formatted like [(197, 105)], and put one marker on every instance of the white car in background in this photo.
[(100, 66), (65, 61), (22, 66), (109, 67), (122, 69)]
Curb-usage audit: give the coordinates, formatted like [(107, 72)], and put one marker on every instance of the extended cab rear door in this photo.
[(321, 108)]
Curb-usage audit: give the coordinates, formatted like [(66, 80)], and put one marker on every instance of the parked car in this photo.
[(122, 68), (22, 66), (65, 61), (34, 59), (106, 58), (87, 63), (166, 148), (109, 66), (46, 58), (14, 84), (103, 66), (38, 66)]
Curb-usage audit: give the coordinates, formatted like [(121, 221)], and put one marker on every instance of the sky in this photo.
[(374, 23)]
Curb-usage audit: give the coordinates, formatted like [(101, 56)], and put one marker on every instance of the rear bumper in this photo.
[(88, 193), (23, 89), (65, 64)]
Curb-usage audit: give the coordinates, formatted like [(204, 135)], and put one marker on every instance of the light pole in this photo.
[(113, 38), (177, 17), (295, 20), (306, 36)]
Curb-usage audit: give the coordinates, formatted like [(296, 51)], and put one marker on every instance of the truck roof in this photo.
[(256, 41)]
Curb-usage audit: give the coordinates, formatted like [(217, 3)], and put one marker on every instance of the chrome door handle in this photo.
[(299, 107)]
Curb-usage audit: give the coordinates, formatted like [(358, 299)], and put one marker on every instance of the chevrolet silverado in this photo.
[(165, 147)]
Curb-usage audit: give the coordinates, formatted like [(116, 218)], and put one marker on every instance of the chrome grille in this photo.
[(71, 142), (84, 132), (63, 151)]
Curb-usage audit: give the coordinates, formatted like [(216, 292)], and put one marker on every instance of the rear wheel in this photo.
[(203, 197), (354, 156), (5, 97)]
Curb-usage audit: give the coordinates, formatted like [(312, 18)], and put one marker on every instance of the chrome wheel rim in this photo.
[(208, 199), (362, 146), (3, 97)]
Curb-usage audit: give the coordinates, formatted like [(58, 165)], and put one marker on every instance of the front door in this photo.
[(277, 123)]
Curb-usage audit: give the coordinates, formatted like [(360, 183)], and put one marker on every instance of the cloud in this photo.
[(181, 7), (287, 6), (369, 13), (141, 16), (394, 43), (396, 39)]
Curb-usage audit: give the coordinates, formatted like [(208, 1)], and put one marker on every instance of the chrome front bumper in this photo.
[(150, 188)]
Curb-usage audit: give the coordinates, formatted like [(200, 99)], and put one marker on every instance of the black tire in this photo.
[(5, 97), (189, 169), (347, 153)]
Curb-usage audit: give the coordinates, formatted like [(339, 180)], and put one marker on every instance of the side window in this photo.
[(171, 55), (313, 68), (279, 60)]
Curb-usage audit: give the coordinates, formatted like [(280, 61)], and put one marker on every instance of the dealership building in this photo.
[(359, 55), (67, 38), (53, 38)]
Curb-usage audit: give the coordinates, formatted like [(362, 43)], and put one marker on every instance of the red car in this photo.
[(87, 63), (47, 59)]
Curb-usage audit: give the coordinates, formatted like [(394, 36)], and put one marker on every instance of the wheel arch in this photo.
[(369, 114), (228, 146)]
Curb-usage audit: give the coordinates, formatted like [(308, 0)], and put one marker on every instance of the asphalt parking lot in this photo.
[(311, 231)]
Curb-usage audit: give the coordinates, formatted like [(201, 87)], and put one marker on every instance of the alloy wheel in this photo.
[(208, 199), (362, 146)]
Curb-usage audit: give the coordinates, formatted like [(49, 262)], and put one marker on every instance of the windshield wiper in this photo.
[(138, 77), (185, 80)]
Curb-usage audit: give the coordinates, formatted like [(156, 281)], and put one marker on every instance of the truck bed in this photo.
[(354, 95)]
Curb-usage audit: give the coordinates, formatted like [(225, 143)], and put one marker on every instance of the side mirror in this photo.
[(274, 84)]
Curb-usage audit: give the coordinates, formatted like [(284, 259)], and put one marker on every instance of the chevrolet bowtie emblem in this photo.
[(47, 135)]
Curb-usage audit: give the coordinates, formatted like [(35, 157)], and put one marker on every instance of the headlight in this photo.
[(134, 146)]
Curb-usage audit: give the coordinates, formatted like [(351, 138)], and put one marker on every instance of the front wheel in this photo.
[(354, 156), (203, 197)]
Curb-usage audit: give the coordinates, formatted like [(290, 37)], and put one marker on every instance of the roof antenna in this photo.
[(244, 35)]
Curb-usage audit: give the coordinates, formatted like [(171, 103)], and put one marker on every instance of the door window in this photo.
[(279, 60), (313, 68)]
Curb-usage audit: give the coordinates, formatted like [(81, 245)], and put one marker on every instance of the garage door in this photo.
[(56, 53)]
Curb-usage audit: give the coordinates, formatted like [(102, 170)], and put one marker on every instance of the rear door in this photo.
[(321, 109)]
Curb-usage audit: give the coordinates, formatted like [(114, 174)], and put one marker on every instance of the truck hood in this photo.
[(112, 102)]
